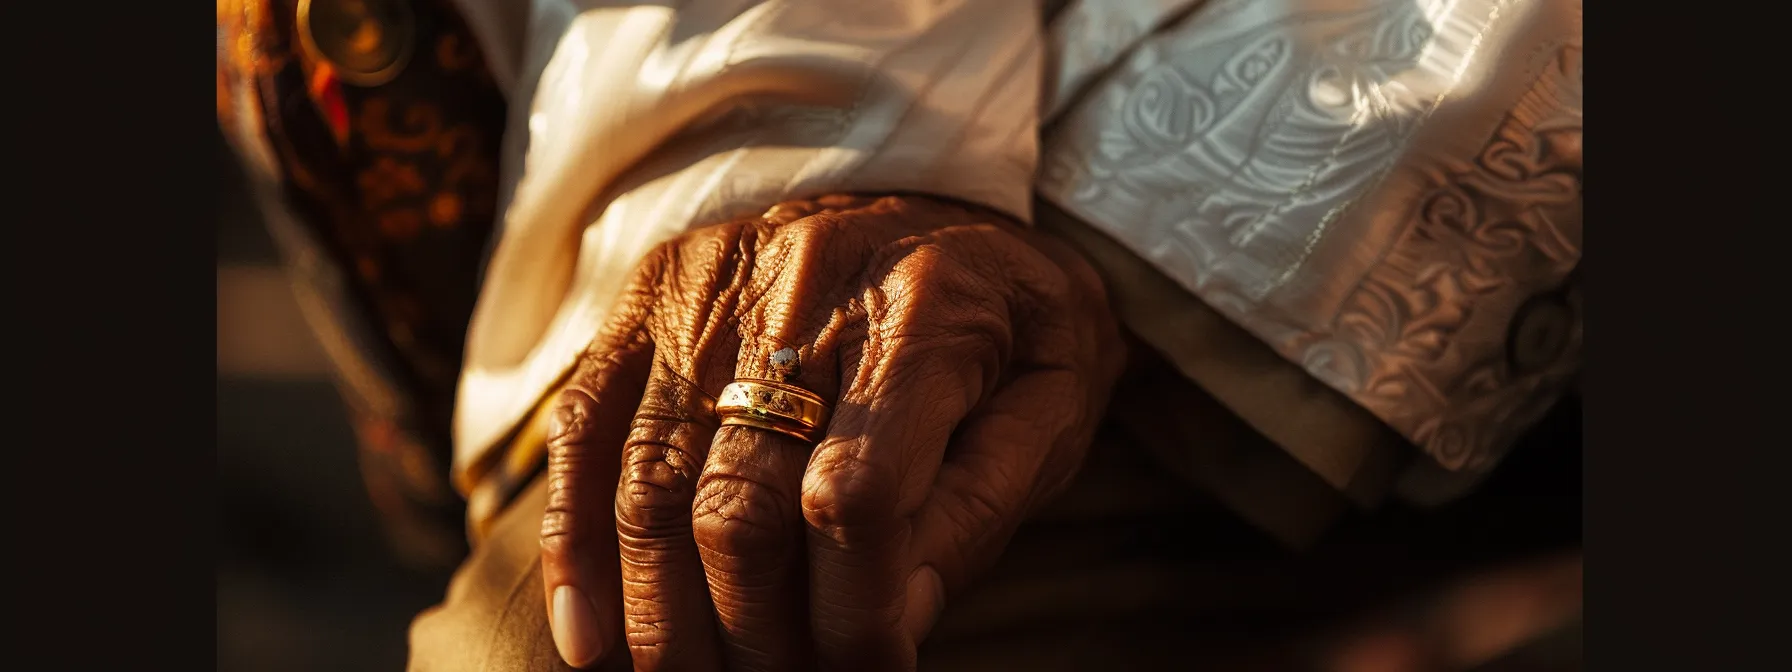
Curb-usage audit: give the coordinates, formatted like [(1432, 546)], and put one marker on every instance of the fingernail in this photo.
[(575, 627), (926, 597)]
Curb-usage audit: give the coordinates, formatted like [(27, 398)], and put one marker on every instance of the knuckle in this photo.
[(560, 532), (654, 492), (653, 264), (980, 514), (737, 517), (649, 634), (843, 491), (611, 350), (571, 422), (1054, 283), (647, 631), (801, 245), (622, 332), (808, 231), (561, 524)]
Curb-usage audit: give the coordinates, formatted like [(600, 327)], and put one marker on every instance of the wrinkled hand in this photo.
[(967, 359)]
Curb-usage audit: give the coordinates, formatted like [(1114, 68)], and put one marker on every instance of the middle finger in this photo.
[(665, 601)]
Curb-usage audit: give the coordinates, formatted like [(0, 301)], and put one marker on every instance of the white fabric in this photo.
[(653, 118), (1270, 155), (1376, 188)]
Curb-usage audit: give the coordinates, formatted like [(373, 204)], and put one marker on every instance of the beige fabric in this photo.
[(494, 617)]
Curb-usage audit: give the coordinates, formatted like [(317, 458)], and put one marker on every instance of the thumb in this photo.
[(926, 598), (996, 473)]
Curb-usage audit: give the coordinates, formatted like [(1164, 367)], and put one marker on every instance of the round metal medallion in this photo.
[(1540, 333), (367, 41)]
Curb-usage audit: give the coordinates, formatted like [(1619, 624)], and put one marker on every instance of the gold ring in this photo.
[(771, 405)]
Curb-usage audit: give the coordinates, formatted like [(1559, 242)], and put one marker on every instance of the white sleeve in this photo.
[(1385, 192), (648, 120)]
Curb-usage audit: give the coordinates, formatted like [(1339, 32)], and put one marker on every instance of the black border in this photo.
[(112, 254), (1685, 290), (111, 246)]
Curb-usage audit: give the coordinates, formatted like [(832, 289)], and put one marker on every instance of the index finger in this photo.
[(580, 572)]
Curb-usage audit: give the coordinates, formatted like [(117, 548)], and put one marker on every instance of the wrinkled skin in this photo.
[(967, 360)]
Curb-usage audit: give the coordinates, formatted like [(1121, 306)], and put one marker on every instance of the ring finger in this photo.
[(748, 525)]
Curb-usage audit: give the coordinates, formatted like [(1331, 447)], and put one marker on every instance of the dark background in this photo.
[(305, 580)]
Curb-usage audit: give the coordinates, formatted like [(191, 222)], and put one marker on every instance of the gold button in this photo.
[(367, 41)]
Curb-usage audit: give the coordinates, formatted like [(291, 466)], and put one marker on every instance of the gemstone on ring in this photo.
[(785, 364)]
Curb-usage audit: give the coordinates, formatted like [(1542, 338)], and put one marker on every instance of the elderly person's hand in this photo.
[(966, 359)]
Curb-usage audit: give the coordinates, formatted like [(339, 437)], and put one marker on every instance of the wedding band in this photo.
[(770, 405)]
